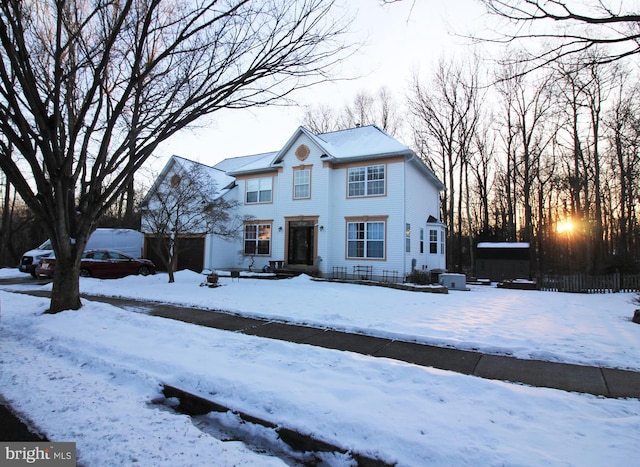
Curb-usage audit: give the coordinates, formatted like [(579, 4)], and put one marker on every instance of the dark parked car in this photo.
[(103, 264)]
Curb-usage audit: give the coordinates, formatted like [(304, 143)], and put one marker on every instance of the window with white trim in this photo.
[(407, 238), (257, 239), (433, 241), (421, 240), (302, 183), (258, 190), (366, 181), (442, 242), (365, 239)]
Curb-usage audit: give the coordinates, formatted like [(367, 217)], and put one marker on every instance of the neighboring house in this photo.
[(500, 261), (342, 203)]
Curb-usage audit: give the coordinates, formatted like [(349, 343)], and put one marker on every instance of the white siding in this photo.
[(267, 212), (390, 205), (423, 200), (411, 197), (222, 253)]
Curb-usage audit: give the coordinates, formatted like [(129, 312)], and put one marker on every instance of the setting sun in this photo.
[(564, 226)]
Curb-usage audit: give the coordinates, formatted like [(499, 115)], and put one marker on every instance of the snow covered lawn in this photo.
[(88, 376), (573, 328)]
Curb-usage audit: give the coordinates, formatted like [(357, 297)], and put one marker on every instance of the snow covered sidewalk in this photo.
[(577, 378)]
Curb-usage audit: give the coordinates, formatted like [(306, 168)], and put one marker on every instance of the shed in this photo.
[(500, 261)]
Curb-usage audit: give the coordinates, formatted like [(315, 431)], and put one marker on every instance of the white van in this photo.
[(127, 241)]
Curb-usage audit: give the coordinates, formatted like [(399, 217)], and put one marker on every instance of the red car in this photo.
[(103, 264)]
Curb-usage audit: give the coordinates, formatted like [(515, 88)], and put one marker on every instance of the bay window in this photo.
[(433, 241)]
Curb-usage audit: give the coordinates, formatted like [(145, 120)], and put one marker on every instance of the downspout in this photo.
[(404, 213)]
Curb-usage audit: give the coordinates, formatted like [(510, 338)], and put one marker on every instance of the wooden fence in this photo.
[(583, 283)]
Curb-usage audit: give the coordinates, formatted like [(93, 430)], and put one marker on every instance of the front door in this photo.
[(301, 242)]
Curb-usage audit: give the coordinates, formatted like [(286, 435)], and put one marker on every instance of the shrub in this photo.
[(419, 277)]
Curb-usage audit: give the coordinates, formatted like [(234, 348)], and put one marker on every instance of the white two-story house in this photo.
[(352, 202)]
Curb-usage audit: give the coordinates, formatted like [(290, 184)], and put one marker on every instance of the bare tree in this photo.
[(623, 130), (445, 114), (482, 170), (585, 91), (19, 231), (320, 119), (88, 90), (188, 203), (597, 91), (570, 93), (378, 109), (568, 28), (529, 105)]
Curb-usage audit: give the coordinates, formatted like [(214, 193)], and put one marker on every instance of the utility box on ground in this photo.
[(453, 281)]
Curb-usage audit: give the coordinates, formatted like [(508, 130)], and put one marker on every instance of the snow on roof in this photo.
[(367, 142), (243, 163), (362, 141), (213, 181), (503, 245)]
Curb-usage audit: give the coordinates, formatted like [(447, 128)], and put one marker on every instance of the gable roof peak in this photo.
[(358, 127), (212, 182), (352, 144)]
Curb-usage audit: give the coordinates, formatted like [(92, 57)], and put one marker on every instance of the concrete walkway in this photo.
[(607, 382)]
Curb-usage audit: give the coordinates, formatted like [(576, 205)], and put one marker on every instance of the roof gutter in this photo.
[(365, 157), (270, 169)]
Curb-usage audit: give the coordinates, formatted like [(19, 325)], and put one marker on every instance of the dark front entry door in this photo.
[(300, 243)]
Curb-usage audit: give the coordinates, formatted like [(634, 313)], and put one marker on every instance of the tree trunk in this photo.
[(461, 175), (172, 262), (598, 250), (472, 262), (172, 258), (66, 287), (5, 227), (129, 214)]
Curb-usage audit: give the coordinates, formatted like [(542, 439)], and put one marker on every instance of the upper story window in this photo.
[(366, 181), (302, 183), (259, 190)]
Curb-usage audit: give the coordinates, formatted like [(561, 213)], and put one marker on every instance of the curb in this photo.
[(192, 404)]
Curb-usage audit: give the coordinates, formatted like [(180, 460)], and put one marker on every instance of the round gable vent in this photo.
[(302, 152)]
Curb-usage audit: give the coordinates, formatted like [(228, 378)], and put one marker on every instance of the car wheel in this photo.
[(85, 272), (144, 271)]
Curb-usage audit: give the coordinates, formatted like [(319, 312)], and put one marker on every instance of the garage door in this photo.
[(190, 253)]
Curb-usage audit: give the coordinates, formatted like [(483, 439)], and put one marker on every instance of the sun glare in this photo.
[(564, 227)]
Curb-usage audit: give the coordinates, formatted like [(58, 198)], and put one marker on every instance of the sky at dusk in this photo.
[(398, 40)]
